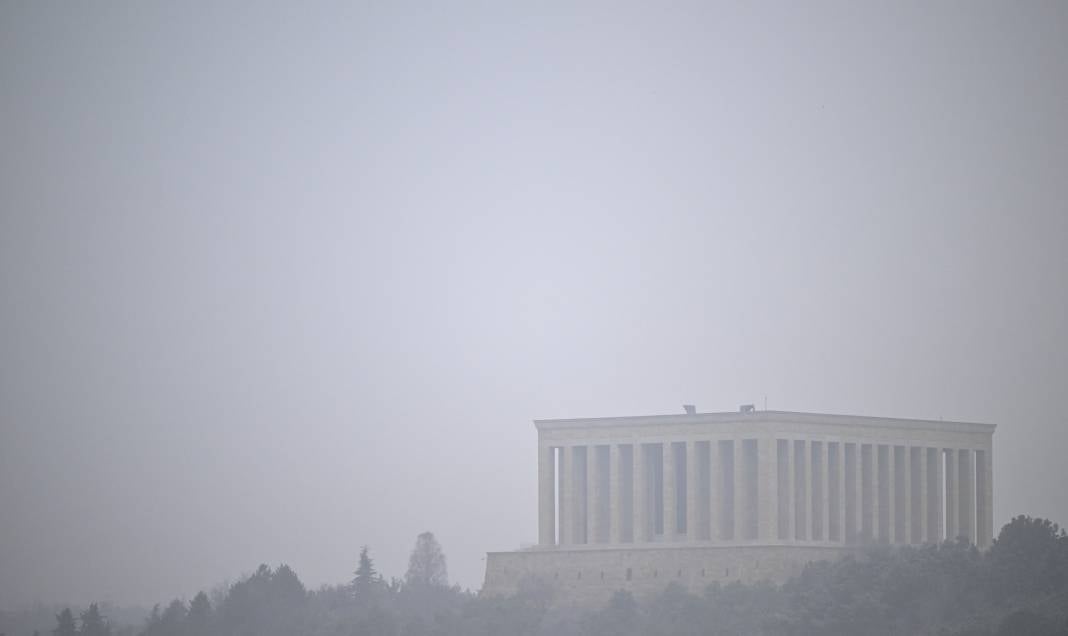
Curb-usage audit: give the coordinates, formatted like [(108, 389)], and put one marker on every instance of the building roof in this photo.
[(763, 416)]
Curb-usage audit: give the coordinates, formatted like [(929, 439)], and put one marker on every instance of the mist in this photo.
[(279, 282)]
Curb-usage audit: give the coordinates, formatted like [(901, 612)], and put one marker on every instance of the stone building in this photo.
[(637, 502)]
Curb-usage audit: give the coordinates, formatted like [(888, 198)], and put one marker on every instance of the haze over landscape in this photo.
[(279, 283)]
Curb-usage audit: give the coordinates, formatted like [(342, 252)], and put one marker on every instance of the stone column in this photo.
[(566, 494), (615, 493), (738, 491), (876, 490), (693, 515), (806, 484), (840, 476), (816, 495), (715, 491), (988, 495), (593, 496), (825, 491), (966, 516), (791, 490), (984, 499), (867, 532), (546, 496), (670, 529), (767, 491), (580, 510), (857, 498), (906, 496), (705, 466), (919, 489), (641, 498), (935, 501), (862, 495), (952, 494), (890, 488)]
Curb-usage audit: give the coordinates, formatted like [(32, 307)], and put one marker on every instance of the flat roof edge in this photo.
[(757, 416)]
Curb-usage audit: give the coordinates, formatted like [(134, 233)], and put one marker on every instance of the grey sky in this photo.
[(280, 281)]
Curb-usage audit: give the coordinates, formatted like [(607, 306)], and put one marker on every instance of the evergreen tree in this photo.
[(367, 580), (172, 621), (286, 586), (66, 626), (196, 620), (152, 623), (426, 566), (93, 622)]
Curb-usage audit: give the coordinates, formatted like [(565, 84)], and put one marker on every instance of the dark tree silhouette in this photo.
[(1029, 556), (94, 623), (199, 615), (426, 566), (172, 620), (1019, 587), (152, 622), (66, 625), (264, 604), (366, 581), (287, 586), (621, 617)]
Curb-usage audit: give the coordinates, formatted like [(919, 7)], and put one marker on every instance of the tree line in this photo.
[(1019, 587)]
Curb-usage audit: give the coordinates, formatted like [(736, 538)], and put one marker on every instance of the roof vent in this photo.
[(746, 408), (690, 409)]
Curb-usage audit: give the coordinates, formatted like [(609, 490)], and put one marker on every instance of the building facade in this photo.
[(636, 502)]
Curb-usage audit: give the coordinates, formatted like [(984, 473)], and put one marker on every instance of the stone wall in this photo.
[(592, 575)]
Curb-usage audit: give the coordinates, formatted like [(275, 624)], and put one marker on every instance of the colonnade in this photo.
[(773, 489)]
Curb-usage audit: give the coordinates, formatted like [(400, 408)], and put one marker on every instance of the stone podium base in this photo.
[(590, 575)]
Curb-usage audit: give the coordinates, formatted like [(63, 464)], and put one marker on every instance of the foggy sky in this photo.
[(278, 282)]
